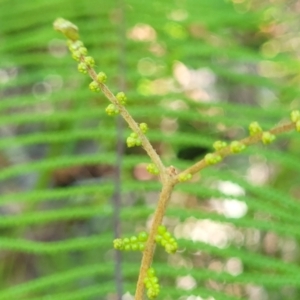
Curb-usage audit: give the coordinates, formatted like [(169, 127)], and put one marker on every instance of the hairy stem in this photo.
[(150, 245)]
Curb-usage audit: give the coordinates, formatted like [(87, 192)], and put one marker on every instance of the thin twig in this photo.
[(130, 121), (226, 151)]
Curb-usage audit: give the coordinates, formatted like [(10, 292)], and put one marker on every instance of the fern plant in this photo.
[(57, 241)]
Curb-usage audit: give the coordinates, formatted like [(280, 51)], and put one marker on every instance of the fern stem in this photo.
[(226, 151), (130, 121), (150, 245)]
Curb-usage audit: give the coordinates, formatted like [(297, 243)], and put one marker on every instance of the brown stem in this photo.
[(150, 245)]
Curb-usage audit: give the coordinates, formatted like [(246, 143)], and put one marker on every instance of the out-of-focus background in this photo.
[(196, 71)]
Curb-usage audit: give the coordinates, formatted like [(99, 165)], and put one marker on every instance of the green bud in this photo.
[(76, 55), (143, 127), (158, 238), (184, 177), (67, 28), (143, 236), (89, 61), (218, 145), (295, 116), (133, 239), (141, 247), (93, 86), (126, 241), (134, 135), (134, 247), (121, 98), (127, 247), (212, 159), (161, 229), (118, 244), (112, 110), (82, 67), (152, 169), (75, 45), (130, 141), (254, 128), (167, 235), (101, 77), (236, 147), (138, 142), (83, 51), (267, 137), (151, 272)]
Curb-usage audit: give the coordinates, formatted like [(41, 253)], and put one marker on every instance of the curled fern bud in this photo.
[(295, 116), (152, 169), (112, 110), (212, 159), (68, 29), (82, 67), (89, 61), (254, 128), (101, 77), (184, 177), (93, 86), (267, 137), (143, 127), (218, 145), (121, 98), (237, 147)]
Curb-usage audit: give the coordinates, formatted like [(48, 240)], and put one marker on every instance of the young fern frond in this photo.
[(169, 177)]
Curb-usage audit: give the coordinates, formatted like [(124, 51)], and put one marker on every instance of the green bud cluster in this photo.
[(212, 158), (144, 127), (184, 177), (254, 128), (101, 77), (79, 53), (133, 140), (218, 145), (237, 147), (121, 97), (82, 68), (267, 137), (165, 239), (134, 243), (94, 87), (112, 110), (89, 61), (295, 117), (151, 284), (152, 169)]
